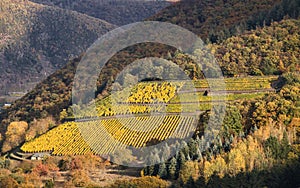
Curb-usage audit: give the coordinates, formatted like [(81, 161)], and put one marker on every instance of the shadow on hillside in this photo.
[(128, 171), (279, 176)]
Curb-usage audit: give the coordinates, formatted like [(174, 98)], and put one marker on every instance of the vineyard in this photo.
[(201, 99), (62, 140), (157, 97), (237, 84), (154, 92), (136, 100), (135, 116), (104, 136)]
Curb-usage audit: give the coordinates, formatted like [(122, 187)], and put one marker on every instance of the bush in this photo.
[(146, 181)]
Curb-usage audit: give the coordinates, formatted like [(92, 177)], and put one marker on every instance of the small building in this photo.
[(7, 105), (39, 156)]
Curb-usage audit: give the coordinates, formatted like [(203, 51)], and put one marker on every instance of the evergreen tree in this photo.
[(145, 171), (171, 169), (273, 146), (166, 152), (285, 146), (193, 146), (181, 159), (232, 121), (185, 149), (200, 182), (162, 170), (198, 155), (190, 183), (153, 159)]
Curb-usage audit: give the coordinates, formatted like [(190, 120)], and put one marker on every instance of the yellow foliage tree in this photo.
[(236, 162), (14, 135), (189, 169), (220, 166), (208, 170)]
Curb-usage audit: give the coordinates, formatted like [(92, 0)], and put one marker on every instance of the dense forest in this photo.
[(264, 51), (217, 20)]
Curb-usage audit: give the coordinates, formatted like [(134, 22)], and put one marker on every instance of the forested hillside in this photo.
[(264, 51), (219, 19), (118, 12), (53, 95), (36, 40), (256, 144)]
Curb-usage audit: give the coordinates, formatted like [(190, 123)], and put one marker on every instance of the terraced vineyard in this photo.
[(238, 84), (236, 88), (136, 131), (106, 135), (156, 97), (127, 117), (136, 100)]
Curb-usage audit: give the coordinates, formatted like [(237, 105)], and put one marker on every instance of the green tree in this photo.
[(232, 122), (171, 168), (181, 159), (162, 170), (285, 146), (273, 147)]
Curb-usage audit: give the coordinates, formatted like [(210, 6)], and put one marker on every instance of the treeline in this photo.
[(215, 21)]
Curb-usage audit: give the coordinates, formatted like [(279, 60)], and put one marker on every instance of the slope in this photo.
[(219, 19), (37, 40), (53, 95), (49, 98), (118, 12)]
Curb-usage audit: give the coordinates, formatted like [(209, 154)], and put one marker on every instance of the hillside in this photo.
[(264, 51), (36, 40), (118, 12), (256, 144), (52, 95), (146, 97), (219, 19), (259, 141)]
